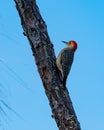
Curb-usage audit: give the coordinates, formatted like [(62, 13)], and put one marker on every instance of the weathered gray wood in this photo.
[(36, 31)]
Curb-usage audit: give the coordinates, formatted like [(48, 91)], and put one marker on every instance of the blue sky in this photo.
[(20, 85)]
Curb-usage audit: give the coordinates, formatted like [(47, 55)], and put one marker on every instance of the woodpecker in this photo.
[(65, 59)]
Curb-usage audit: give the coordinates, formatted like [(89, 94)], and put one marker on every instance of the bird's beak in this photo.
[(65, 42)]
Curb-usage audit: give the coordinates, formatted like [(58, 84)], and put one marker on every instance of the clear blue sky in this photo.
[(20, 85)]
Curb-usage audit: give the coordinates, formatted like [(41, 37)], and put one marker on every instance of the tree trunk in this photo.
[(36, 31)]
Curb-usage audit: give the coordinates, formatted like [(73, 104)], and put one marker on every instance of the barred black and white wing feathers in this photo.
[(64, 62)]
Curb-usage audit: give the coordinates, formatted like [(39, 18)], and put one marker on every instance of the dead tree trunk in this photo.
[(36, 31)]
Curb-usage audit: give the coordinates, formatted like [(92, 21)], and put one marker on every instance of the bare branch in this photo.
[(36, 31)]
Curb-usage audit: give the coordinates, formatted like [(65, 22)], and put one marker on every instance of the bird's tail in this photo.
[(64, 82)]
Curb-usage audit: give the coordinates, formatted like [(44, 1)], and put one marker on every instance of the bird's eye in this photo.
[(69, 43)]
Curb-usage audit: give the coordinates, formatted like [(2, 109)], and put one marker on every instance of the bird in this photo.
[(65, 59)]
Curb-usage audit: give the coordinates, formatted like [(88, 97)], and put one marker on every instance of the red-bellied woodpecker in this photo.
[(65, 59)]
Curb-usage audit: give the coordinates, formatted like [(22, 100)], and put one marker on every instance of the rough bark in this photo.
[(36, 31)]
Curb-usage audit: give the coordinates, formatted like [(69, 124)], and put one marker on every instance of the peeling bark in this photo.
[(36, 31)]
